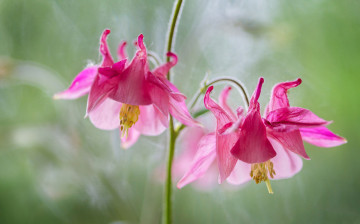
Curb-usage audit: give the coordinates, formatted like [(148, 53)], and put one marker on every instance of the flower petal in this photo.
[(104, 50), (130, 139), (286, 163), (80, 85), (121, 51), (151, 121), (223, 102), (240, 174), (291, 141), (102, 86), (106, 115), (163, 70), (253, 145), (287, 118), (279, 97), (204, 157), (132, 87), (322, 137), (226, 162)]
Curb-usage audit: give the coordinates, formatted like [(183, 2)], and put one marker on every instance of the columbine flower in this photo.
[(284, 127), (211, 147), (128, 95)]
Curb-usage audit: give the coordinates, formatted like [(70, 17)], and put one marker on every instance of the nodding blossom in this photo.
[(128, 95), (251, 147)]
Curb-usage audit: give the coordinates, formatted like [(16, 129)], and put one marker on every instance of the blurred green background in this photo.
[(55, 167)]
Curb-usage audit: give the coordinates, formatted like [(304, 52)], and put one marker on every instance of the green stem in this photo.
[(237, 83), (202, 91), (167, 204)]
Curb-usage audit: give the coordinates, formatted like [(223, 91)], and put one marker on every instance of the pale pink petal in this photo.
[(291, 141), (279, 97), (253, 145), (286, 163), (180, 112), (106, 115), (287, 118), (80, 85), (240, 174), (151, 121), (121, 51), (132, 87), (130, 139), (226, 162), (189, 139), (224, 95), (204, 157), (322, 137), (162, 70)]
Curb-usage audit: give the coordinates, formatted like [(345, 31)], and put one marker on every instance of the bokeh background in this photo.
[(55, 167)]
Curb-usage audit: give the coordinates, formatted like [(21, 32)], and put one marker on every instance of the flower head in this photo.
[(127, 95)]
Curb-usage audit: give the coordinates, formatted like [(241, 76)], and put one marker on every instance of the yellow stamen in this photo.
[(129, 115), (260, 171)]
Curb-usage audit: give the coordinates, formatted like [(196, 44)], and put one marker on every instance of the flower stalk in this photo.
[(167, 203)]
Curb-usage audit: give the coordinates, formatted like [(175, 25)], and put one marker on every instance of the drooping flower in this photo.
[(266, 148), (211, 148), (127, 95), (285, 128)]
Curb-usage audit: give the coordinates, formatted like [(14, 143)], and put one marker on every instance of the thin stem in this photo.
[(172, 28), (167, 213), (167, 204), (202, 91), (232, 80)]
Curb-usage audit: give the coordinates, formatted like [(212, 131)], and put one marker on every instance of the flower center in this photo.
[(260, 171), (129, 115)]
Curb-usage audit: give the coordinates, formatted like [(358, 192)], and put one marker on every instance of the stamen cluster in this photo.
[(259, 171), (129, 115)]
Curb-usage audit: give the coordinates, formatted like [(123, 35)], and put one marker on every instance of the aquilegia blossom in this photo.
[(127, 95), (211, 147), (270, 144), (266, 147)]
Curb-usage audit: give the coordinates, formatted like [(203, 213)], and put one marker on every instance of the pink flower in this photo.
[(211, 148), (266, 148), (285, 128), (127, 94)]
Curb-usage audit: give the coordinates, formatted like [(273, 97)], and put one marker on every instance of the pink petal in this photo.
[(80, 85), (253, 145), (204, 157), (321, 136), (132, 87), (151, 121), (240, 174), (189, 139), (287, 118), (121, 51), (279, 97), (226, 162), (106, 115), (180, 112), (286, 163), (162, 70), (130, 139), (102, 86), (221, 116), (104, 50), (291, 141), (223, 102)]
